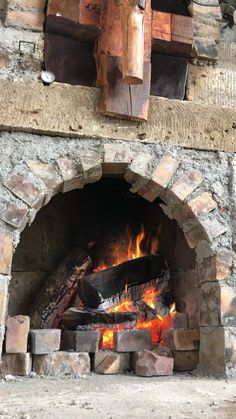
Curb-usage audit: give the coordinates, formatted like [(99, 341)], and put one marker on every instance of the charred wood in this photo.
[(99, 286)]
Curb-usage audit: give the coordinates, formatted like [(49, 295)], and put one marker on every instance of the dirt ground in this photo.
[(120, 396)]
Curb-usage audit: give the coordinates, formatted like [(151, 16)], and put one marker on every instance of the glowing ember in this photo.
[(157, 325)]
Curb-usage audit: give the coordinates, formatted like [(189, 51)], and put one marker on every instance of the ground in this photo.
[(120, 396)]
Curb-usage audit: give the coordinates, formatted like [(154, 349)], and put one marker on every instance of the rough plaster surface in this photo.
[(119, 396), (73, 111)]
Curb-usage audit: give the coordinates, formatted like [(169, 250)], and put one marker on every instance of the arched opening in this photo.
[(100, 219)]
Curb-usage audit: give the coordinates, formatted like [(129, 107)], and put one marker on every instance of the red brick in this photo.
[(132, 340), (149, 364), (202, 204), (15, 216), (47, 173), (109, 365), (224, 263), (186, 184), (80, 340), (25, 20), (116, 159), (16, 364), (17, 334), (6, 252), (71, 172), (181, 340), (25, 190), (160, 178)]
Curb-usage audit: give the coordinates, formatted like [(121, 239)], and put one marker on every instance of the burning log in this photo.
[(59, 290), (99, 286), (73, 318)]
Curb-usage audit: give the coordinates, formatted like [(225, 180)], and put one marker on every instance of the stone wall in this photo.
[(196, 190)]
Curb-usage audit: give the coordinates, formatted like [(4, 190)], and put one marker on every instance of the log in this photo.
[(132, 25), (59, 290), (99, 286), (74, 318), (118, 98)]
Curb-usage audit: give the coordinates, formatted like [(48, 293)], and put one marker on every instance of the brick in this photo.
[(116, 159), (25, 190), (6, 252), (124, 362), (139, 171), (71, 172), (47, 173), (25, 20), (16, 364), (186, 184), (181, 340), (17, 331), (3, 298), (109, 365), (62, 363), (185, 360), (160, 178), (149, 364), (202, 204), (194, 233), (80, 341), (45, 341), (15, 215), (132, 340)]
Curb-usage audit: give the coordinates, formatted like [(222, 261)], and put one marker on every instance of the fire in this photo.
[(135, 250)]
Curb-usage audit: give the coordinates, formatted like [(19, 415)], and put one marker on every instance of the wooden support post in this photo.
[(126, 33)]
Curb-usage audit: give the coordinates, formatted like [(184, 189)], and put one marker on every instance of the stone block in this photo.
[(71, 172), (47, 173), (160, 177), (45, 341), (6, 252), (14, 215), (81, 340), (181, 340), (124, 362), (38, 5), (62, 363), (17, 331), (116, 158), (212, 353), (92, 169), (109, 365), (185, 360), (25, 20), (25, 190), (149, 364), (132, 340), (194, 233), (186, 184), (16, 364)]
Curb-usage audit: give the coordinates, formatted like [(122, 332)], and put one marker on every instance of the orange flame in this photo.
[(156, 326)]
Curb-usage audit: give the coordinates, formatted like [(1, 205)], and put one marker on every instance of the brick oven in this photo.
[(117, 236)]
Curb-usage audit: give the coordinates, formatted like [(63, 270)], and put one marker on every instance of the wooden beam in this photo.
[(172, 34), (77, 19)]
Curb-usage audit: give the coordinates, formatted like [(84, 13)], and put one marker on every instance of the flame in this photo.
[(135, 250)]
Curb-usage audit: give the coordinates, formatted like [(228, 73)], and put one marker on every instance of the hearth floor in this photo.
[(119, 396)]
